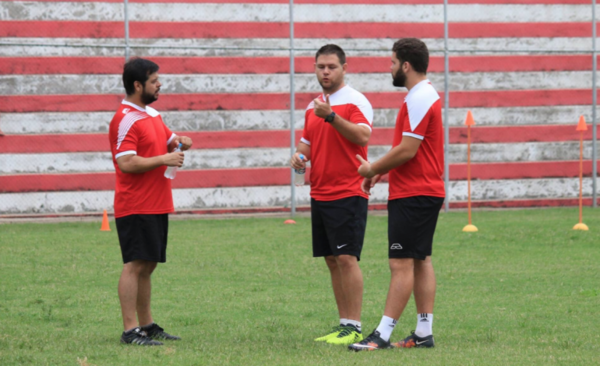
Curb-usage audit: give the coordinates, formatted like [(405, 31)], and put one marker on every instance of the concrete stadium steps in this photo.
[(71, 143), (281, 65), (220, 120), (313, 12), (382, 2), (49, 163), (265, 47), (278, 101), (280, 83), (275, 176), (279, 196), (60, 65), (115, 29)]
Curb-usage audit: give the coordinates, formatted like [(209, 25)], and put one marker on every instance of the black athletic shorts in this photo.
[(338, 227), (143, 237), (411, 225)]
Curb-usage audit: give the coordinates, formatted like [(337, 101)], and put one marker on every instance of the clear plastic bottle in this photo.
[(299, 174), (171, 171)]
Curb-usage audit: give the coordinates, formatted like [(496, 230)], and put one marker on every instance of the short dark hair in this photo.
[(332, 49), (137, 69), (413, 51)]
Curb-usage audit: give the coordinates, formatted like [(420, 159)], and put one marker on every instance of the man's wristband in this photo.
[(330, 117)]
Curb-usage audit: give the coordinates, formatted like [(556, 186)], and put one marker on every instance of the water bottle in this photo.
[(299, 174), (171, 171)]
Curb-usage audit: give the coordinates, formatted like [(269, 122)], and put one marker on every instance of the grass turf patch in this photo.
[(524, 290)]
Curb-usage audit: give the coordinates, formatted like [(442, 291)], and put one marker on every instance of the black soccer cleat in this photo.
[(154, 331), (371, 343), (139, 337), (414, 341)]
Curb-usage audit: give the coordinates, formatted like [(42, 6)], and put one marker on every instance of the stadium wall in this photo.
[(524, 70)]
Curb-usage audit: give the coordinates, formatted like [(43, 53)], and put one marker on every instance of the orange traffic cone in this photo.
[(105, 226)]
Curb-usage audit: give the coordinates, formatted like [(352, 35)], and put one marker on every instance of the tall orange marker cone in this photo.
[(581, 127), (105, 226), (470, 228)]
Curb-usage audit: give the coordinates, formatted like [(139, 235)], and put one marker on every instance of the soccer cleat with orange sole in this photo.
[(414, 341), (371, 343)]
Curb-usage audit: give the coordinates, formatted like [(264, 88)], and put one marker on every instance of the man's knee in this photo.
[(133, 267), (139, 268), (148, 268), (402, 265), (346, 262), (331, 263), (424, 267)]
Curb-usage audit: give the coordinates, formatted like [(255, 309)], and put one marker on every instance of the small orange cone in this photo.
[(581, 125), (105, 226), (289, 222), (469, 121)]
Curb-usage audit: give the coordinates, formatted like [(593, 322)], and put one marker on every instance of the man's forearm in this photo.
[(137, 164), (394, 158), (352, 132)]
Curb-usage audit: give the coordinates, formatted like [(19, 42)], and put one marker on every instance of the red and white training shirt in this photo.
[(334, 165), (137, 131), (420, 117)]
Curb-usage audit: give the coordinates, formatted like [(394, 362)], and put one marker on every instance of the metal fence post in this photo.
[(446, 106), (594, 96), (292, 107), (126, 13)]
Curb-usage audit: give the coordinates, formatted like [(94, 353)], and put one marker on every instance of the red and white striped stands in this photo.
[(224, 70)]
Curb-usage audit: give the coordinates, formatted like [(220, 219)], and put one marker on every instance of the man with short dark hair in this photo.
[(142, 148), (415, 165), (337, 128)]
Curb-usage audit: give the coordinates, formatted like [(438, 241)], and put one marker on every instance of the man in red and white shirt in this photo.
[(142, 149), (415, 165), (337, 128)]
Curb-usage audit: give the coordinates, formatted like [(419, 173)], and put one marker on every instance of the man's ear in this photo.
[(138, 86), (406, 67)]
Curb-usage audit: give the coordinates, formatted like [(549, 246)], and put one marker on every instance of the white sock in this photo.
[(386, 327), (356, 324), (343, 321), (424, 324)]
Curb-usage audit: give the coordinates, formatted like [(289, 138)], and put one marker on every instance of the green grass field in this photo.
[(524, 290)]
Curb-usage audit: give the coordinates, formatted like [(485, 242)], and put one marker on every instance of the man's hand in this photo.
[(173, 159), (365, 168), (322, 109), (185, 141), (369, 183), (296, 162)]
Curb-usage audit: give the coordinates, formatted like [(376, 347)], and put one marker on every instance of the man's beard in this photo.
[(148, 98), (399, 79), (332, 86)]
